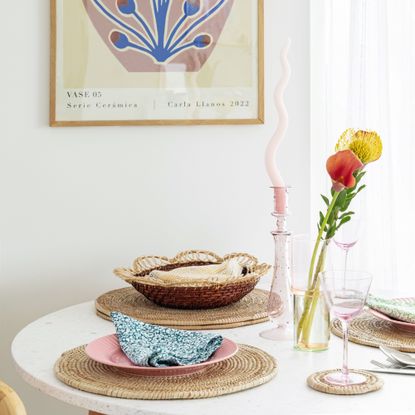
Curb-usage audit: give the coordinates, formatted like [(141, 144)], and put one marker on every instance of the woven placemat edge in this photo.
[(345, 391), (257, 318), (363, 342), (180, 395), (191, 327)]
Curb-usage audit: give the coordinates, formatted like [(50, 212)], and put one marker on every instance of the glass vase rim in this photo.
[(310, 236), (281, 187), (308, 293), (303, 235), (340, 274)]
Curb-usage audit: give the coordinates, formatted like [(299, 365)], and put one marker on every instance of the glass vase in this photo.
[(319, 330), (311, 315)]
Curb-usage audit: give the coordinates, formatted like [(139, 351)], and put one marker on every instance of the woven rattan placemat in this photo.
[(371, 331), (252, 309), (249, 368), (318, 382)]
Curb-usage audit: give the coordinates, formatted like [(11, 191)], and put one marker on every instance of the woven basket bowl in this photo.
[(197, 295)]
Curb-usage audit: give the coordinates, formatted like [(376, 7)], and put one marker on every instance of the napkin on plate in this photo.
[(216, 272), (402, 310), (150, 345)]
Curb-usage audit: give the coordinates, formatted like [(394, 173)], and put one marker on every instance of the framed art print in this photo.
[(142, 62)]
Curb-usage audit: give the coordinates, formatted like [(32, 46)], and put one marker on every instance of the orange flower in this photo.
[(341, 167)]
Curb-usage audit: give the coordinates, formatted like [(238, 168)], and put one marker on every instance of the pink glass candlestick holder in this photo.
[(279, 301)]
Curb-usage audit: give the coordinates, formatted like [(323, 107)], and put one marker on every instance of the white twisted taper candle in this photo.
[(272, 148)]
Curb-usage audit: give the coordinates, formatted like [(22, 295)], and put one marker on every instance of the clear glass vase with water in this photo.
[(311, 314)]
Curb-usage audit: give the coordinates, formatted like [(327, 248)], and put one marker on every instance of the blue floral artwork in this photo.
[(162, 30)]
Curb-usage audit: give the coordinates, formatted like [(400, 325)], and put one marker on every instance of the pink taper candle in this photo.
[(272, 148)]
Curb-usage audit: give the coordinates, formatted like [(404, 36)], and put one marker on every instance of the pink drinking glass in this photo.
[(345, 293), (349, 233), (346, 238)]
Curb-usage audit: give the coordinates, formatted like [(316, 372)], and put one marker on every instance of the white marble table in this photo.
[(36, 348)]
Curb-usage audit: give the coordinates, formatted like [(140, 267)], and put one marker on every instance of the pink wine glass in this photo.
[(349, 233), (345, 293), (347, 237)]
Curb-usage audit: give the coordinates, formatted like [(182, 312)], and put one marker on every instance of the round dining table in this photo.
[(37, 347)]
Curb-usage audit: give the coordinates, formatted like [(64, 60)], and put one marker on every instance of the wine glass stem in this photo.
[(346, 256), (345, 367)]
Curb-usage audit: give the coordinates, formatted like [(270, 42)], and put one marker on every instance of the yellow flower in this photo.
[(366, 145)]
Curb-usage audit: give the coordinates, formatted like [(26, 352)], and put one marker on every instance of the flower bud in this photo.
[(191, 7), (119, 40), (126, 6), (202, 41)]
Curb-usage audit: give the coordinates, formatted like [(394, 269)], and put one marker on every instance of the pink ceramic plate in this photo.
[(402, 325), (106, 350)]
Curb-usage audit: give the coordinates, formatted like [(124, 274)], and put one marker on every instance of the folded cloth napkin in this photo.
[(150, 345), (397, 309), (217, 272)]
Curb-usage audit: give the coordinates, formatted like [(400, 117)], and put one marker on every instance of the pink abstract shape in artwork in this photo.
[(160, 35)]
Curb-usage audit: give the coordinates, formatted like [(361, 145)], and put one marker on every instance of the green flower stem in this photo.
[(315, 296), (310, 297), (320, 236), (310, 301)]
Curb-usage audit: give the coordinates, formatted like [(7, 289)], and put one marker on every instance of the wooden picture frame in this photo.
[(203, 71)]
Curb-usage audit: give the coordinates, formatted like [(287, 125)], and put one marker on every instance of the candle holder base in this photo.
[(278, 333)]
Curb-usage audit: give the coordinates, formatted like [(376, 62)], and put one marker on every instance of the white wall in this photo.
[(78, 202)]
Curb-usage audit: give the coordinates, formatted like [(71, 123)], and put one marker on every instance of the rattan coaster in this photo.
[(371, 331), (252, 309), (249, 368), (318, 382)]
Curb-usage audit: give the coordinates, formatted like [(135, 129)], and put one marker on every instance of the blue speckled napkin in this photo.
[(149, 345), (397, 309)]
